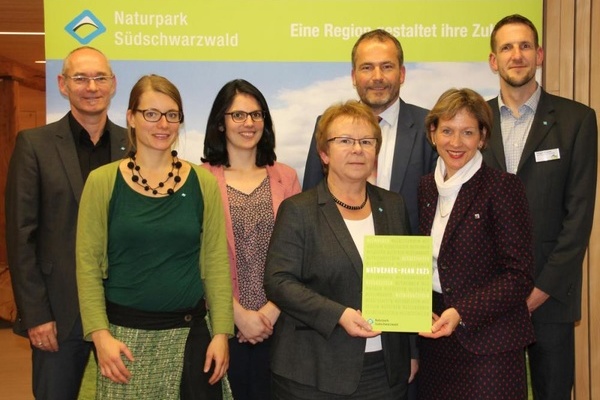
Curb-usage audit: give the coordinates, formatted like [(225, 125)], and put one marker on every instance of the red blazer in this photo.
[(486, 259)]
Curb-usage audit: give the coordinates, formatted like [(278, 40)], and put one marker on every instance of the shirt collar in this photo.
[(80, 134), (390, 115), (531, 103)]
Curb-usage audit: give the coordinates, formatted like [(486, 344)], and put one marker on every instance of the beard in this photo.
[(518, 81), (379, 101)]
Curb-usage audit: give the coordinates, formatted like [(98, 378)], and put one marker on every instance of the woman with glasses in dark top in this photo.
[(239, 150), (323, 348), (151, 249)]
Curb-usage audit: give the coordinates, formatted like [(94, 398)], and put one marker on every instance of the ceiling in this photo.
[(22, 16)]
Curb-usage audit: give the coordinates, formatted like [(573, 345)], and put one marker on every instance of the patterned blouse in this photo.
[(252, 220)]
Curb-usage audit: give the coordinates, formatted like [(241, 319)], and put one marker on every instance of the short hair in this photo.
[(353, 109), (150, 83), (215, 142), (381, 35), (513, 19), (451, 102), (65, 66)]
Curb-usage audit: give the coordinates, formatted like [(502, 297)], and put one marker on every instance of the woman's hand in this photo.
[(355, 325), (271, 311), (218, 351), (443, 325), (108, 351), (254, 326)]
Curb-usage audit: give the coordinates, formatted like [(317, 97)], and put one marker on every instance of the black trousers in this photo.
[(57, 376), (552, 361), (249, 372)]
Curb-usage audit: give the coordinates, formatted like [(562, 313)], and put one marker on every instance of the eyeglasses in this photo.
[(242, 116), (347, 142), (82, 80), (152, 115)]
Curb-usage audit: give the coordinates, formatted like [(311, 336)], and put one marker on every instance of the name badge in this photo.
[(547, 155)]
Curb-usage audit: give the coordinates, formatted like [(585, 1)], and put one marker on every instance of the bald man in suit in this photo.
[(46, 175)]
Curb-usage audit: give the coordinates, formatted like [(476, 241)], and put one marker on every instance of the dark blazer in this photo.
[(413, 158), (313, 273), (485, 260), (561, 196), (43, 189)]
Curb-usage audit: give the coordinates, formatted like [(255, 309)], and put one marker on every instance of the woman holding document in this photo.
[(479, 221), (322, 346)]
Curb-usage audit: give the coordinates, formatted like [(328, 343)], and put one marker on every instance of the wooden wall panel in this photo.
[(594, 266), (9, 93), (572, 70), (550, 38)]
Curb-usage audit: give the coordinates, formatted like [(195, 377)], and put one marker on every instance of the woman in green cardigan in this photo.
[(151, 256)]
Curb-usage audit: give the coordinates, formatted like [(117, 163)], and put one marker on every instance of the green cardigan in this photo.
[(92, 244)]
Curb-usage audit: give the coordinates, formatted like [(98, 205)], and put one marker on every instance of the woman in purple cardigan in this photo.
[(239, 149), (479, 220)]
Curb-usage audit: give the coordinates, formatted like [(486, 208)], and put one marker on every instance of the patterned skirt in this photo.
[(168, 355), (156, 371), (448, 371)]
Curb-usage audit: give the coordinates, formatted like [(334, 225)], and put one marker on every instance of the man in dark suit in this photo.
[(377, 73), (550, 142), (46, 175)]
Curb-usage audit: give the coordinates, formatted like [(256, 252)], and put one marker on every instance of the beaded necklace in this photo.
[(137, 178), (349, 207)]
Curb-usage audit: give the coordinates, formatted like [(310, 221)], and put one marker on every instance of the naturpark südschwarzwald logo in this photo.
[(85, 27)]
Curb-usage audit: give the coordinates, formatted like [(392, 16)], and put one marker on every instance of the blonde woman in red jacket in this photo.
[(479, 220)]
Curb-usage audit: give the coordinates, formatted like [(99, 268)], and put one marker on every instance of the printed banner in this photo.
[(275, 30), (297, 52)]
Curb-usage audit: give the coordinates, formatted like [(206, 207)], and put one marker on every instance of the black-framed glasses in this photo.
[(153, 115), (82, 80), (242, 116), (348, 142)]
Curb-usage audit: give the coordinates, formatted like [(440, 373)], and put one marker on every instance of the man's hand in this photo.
[(43, 336), (536, 298)]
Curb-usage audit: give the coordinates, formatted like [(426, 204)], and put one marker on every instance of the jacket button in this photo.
[(187, 318), (448, 290)]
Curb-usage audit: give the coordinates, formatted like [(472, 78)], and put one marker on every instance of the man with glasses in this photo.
[(46, 175)]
